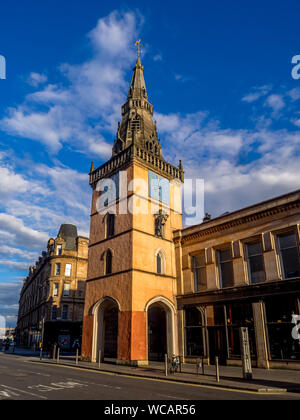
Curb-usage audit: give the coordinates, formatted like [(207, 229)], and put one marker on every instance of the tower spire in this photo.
[(137, 124)]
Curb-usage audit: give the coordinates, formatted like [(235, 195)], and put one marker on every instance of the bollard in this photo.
[(166, 364), (217, 370), (41, 354), (77, 354), (197, 366), (202, 362), (99, 359), (180, 363), (54, 351), (58, 354)]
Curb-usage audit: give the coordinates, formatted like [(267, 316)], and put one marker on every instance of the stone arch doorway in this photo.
[(161, 329), (105, 332)]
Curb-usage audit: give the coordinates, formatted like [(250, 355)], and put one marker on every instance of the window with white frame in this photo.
[(55, 289), (289, 255), (67, 288), (59, 250), (57, 269), (68, 270)]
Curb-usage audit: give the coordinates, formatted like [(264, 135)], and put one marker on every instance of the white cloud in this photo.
[(51, 94), (158, 57), (16, 265), (36, 79), (257, 93), (275, 102), (297, 123), (10, 251), (43, 127), (115, 34), (86, 110), (24, 235), (9, 298), (240, 167), (294, 94)]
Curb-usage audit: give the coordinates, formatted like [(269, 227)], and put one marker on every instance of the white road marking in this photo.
[(102, 385), (8, 394), (57, 386), (174, 398), (23, 392), (34, 373)]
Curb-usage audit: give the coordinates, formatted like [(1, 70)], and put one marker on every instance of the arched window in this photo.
[(160, 260), (108, 262), (109, 225), (158, 264)]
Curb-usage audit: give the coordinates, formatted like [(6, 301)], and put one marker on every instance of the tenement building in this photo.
[(154, 288), (52, 298)]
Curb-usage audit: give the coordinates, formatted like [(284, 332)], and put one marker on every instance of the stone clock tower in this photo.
[(130, 310)]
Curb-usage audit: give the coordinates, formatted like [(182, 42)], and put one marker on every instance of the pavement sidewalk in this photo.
[(268, 381), (264, 381)]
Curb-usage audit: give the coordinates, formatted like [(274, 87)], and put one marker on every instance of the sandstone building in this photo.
[(52, 298), (155, 288), (241, 270)]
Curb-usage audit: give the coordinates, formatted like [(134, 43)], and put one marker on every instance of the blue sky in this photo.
[(218, 74)]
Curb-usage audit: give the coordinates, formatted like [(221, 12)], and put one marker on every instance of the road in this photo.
[(21, 379)]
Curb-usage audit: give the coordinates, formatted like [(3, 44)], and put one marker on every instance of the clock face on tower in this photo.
[(159, 188)]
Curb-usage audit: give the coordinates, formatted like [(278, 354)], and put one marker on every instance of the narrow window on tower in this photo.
[(108, 262), (160, 262), (109, 225)]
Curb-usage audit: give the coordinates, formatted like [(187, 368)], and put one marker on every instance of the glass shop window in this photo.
[(194, 332), (279, 312), (239, 315)]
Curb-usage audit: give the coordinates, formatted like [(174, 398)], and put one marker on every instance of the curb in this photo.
[(170, 378)]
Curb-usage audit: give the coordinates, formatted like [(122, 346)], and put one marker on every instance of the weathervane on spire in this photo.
[(139, 47)]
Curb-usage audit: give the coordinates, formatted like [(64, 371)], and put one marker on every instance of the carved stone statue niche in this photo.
[(159, 224)]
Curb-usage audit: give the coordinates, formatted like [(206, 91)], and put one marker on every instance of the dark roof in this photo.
[(69, 233)]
